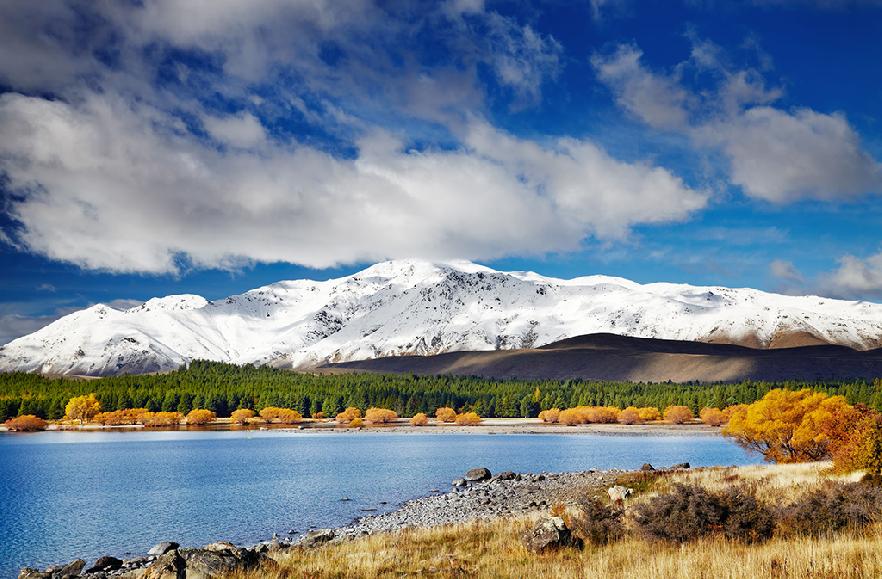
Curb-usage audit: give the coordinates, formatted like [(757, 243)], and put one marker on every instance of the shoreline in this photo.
[(500, 426)]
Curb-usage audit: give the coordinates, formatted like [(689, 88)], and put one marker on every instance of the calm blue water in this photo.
[(84, 494)]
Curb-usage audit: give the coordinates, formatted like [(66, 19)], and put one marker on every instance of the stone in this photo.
[(459, 482), (105, 563), (550, 533), (220, 546), (506, 475), (31, 573), (315, 538), (169, 565), (477, 475), (205, 563), (681, 465), (618, 494), (163, 548), (647, 467), (72, 569)]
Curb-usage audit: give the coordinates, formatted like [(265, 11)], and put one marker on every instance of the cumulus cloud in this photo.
[(855, 277), (774, 154), (111, 185), (242, 130)]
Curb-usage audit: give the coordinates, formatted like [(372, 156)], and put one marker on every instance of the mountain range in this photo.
[(412, 307)]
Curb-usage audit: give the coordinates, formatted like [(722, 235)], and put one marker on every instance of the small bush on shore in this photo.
[(161, 418), (82, 408), (199, 416), (280, 415), (552, 415), (594, 522), (745, 518), (712, 416), (26, 423), (833, 507), (468, 419), (649, 413), (318, 415), (685, 514), (678, 414), (445, 414), (630, 415), (348, 415), (124, 417), (380, 415), (419, 419), (241, 416), (589, 415), (356, 423)]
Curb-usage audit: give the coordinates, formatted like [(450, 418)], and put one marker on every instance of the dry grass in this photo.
[(494, 549)]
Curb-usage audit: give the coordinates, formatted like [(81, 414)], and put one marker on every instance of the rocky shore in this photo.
[(479, 494)]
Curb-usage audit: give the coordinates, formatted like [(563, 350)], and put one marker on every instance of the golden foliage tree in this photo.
[(445, 414), (468, 419), (241, 416), (649, 413), (348, 415), (280, 415), (419, 419), (678, 414), (82, 408), (712, 416), (552, 415), (356, 422), (793, 426), (630, 415), (124, 417), (380, 415), (199, 416), (161, 418)]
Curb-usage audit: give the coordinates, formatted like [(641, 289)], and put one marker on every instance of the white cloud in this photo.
[(111, 185), (855, 277), (242, 130), (786, 271), (773, 154)]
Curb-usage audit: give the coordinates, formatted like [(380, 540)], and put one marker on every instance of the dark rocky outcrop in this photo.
[(549, 534), (477, 475), (316, 538), (105, 563)]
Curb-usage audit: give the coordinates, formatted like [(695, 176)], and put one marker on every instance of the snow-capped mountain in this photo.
[(416, 307)]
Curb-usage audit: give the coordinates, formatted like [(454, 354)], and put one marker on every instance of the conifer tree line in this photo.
[(223, 388)]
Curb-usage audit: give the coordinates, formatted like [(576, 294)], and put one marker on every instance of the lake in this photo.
[(85, 494)]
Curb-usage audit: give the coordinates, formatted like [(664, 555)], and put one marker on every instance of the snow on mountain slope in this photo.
[(416, 307)]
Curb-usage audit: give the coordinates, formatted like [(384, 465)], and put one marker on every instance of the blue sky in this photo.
[(164, 146)]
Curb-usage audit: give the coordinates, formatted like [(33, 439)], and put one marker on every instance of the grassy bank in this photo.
[(494, 549)]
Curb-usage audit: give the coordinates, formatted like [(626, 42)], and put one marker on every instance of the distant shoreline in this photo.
[(487, 426)]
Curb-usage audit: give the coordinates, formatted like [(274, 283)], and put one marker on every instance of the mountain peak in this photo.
[(414, 306)]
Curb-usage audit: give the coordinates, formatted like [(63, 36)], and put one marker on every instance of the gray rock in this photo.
[(477, 475), (220, 546), (31, 573), (72, 569), (105, 563), (680, 465), (647, 467), (549, 534), (163, 548), (169, 565), (316, 538), (459, 482), (506, 475)]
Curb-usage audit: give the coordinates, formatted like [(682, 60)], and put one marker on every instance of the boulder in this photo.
[(506, 475), (105, 563), (72, 569), (316, 538), (618, 494), (460, 482), (647, 467), (681, 465), (220, 546), (169, 565), (163, 548), (31, 573), (549, 534), (477, 475)]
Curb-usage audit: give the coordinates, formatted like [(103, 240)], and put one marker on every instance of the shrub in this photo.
[(745, 518), (445, 414), (356, 423), (380, 415), (685, 514), (26, 423), (280, 415), (348, 415), (595, 522), (82, 408), (649, 413), (678, 414), (199, 416), (241, 416), (161, 418), (318, 415), (833, 507), (712, 416), (589, 415), (127, 416), (861, 448), (630, 415), (419, 419), (468, 419), (552, 415)]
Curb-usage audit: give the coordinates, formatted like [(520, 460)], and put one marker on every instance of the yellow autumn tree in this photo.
[(445, 414), (241, 416), (678, 414), (82, 408), (712, 416), (419, 419), (792, 426), (199, 416)]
